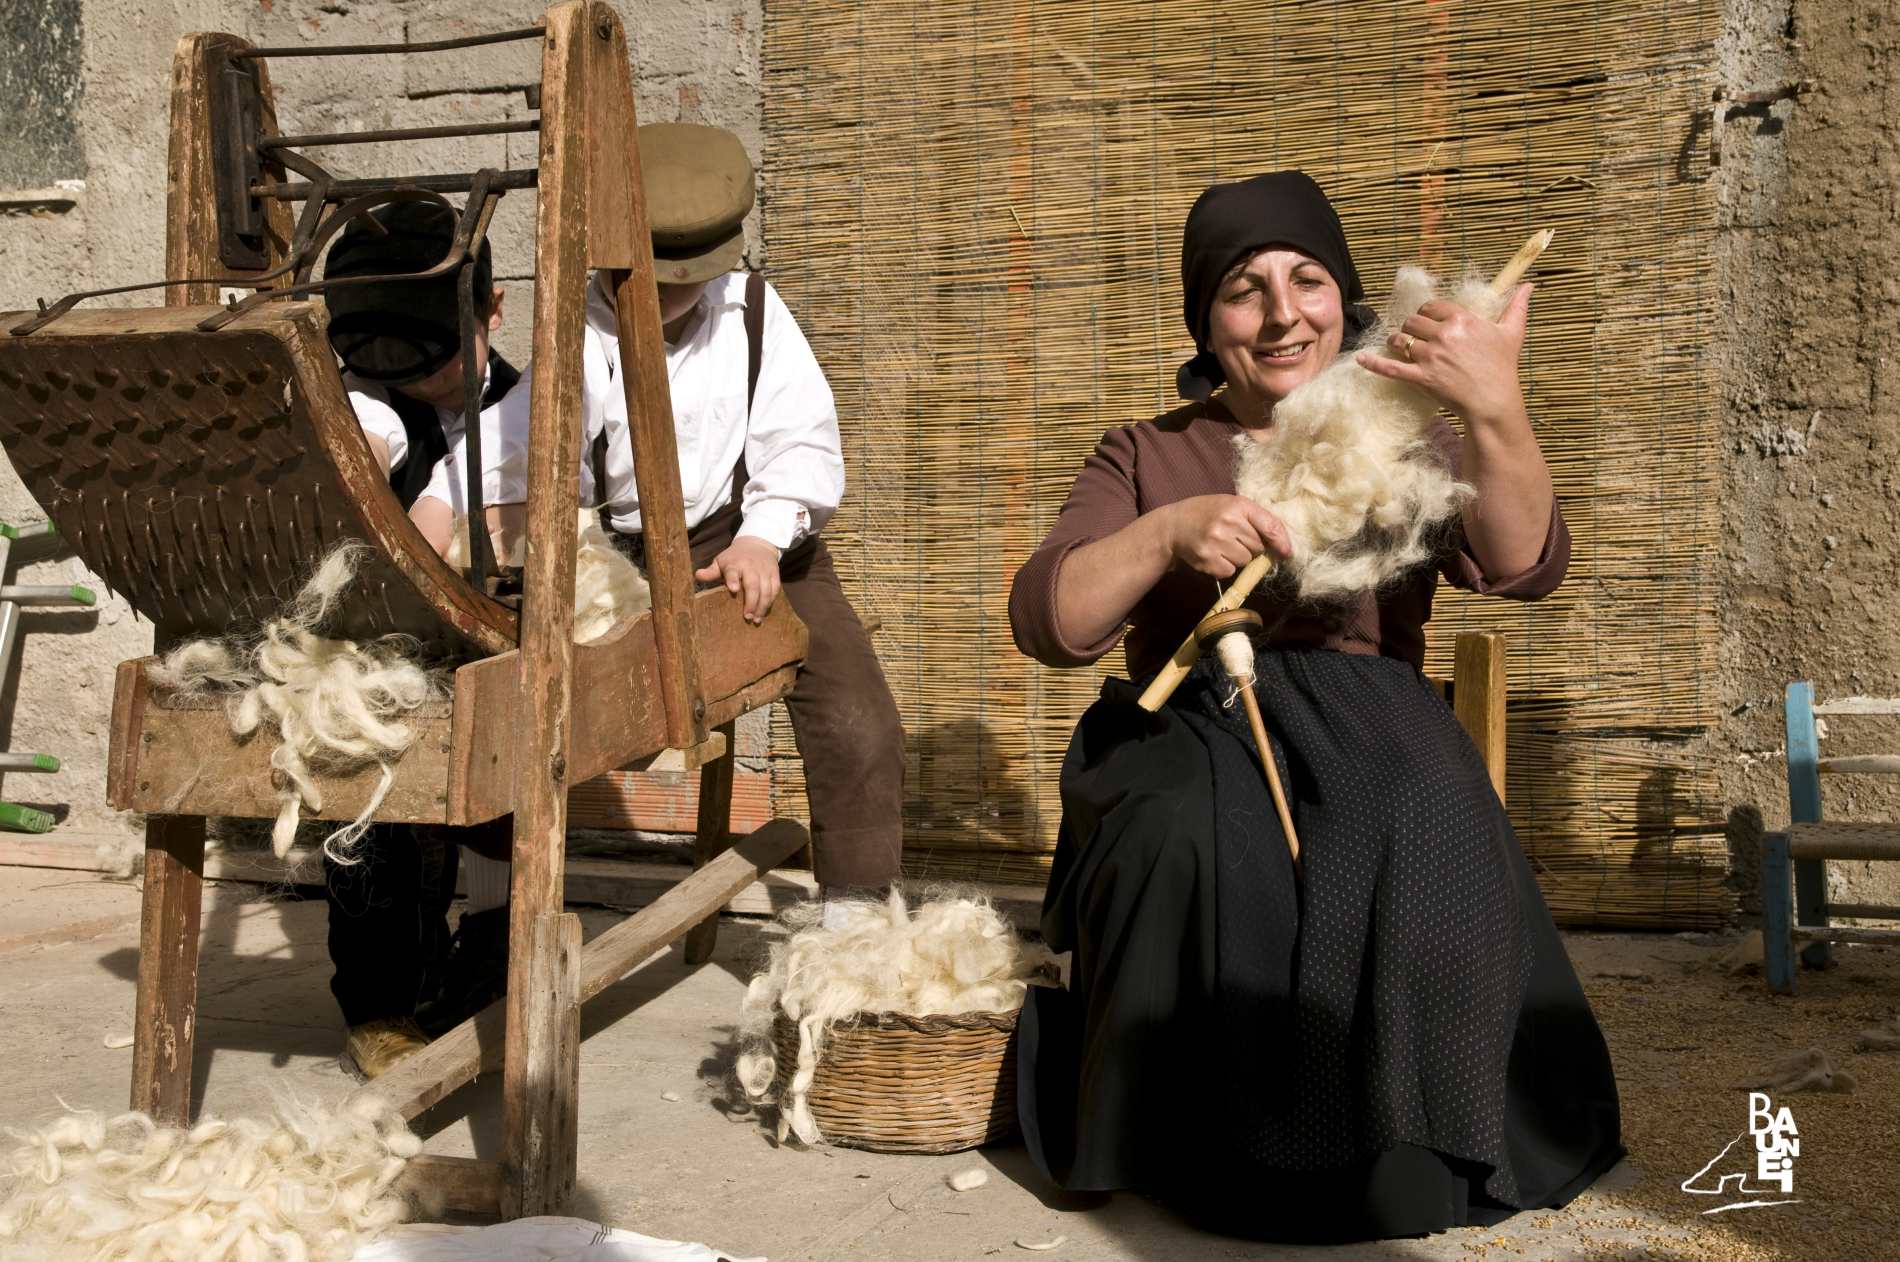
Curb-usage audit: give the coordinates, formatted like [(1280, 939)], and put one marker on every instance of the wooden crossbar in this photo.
[(455, 1059), (1844, 841)]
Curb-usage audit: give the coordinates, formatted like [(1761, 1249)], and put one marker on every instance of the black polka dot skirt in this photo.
[(1388, 1042)]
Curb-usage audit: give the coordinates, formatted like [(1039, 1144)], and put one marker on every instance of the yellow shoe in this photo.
[(374, 1046)]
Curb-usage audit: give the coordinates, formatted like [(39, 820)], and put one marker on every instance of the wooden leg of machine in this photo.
[(541, 1107), (168, 967), (714, 837)]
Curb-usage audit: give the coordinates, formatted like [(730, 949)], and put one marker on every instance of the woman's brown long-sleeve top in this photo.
[(1139, 468)]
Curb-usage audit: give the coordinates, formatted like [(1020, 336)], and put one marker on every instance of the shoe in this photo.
[(475, 974), (373, 1047)]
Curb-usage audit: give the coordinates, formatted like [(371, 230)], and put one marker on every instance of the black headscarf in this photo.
[(1229, 222), (399, 331)]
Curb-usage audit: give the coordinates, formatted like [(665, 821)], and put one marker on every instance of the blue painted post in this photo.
[(1804, 807), (1777, 915)]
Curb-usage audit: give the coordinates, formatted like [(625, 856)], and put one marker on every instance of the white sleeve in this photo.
[(504, 455), (378, 418), (792, 452)]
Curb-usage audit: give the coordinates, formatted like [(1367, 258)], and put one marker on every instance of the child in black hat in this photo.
[(400, 343)]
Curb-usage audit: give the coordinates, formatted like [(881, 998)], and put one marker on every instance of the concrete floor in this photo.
[(687, 1169)]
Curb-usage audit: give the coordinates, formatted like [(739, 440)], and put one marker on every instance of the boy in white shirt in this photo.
[(761, 470)]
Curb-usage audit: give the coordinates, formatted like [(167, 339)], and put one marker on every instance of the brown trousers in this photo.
[(844, 718)]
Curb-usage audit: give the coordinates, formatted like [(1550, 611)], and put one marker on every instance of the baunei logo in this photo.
[(1777, 1144)]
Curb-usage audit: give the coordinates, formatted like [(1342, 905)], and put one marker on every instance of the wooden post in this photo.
[(1777, 916), (621, 242), (167, 1008), (191, 200), (543, 1155), (537, 1099), (714, 837), (1478, 696)]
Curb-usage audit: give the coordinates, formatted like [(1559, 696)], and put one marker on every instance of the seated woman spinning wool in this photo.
[(1385, 1038)]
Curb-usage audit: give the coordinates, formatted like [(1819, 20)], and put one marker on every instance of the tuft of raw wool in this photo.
[(1812, 1070), (608, 586), (332, 704), (838, 959), (1884, 1037), (307, 1183), (1349, 464)]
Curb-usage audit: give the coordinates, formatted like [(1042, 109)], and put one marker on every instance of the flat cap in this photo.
[(699, 186)]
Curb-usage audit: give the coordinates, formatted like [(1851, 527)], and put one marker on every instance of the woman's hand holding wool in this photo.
[(1466, 362), (1220, 534), (749, 569)]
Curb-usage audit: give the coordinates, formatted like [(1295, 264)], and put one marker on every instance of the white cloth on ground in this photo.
[(487, 881), (545, 1239), (794, 458)]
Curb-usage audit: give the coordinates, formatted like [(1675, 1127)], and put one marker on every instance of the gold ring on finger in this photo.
[(1406, 348)]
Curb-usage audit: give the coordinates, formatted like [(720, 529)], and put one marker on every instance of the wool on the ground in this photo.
[(836, 960), (308, 1183), (1350, 466)]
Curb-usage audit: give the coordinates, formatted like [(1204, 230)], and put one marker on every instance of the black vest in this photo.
[(427, 442)]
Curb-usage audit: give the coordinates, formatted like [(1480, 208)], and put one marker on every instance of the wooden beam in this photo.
[(421, 1080), (455, 1185), (1861, 765), (1841, 933), (1859, 705), (628, 944), (712, 838), (191, 210), (167, 1005), (543, 1168), (533, 1086)]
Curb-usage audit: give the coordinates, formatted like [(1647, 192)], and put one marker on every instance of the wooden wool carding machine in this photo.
[(201, 458)]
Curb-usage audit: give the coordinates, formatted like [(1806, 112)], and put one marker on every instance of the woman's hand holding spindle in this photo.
[(1464, 361), (1220, 534)]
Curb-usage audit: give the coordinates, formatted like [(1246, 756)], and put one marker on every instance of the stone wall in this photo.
[(1808, 356), (85, 86)]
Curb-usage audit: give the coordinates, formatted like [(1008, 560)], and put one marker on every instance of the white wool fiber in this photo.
[(1350, 466), (608, 586), (332, 704), (842, 958), (305, 1184)]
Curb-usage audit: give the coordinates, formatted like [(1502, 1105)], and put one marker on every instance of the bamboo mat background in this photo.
[(974, 209)]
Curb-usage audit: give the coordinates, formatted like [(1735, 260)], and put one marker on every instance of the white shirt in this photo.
[(370, 401), (794, 460)]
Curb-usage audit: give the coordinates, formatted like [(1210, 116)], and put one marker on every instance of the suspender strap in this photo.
[(754, 356), (754, 334)]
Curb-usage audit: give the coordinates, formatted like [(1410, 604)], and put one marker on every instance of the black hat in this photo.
[(1230, 222), (399, 330)]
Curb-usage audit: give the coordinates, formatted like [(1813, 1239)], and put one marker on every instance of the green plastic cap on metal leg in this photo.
[(45, 762), (24, 819), (31, 531), (84, 596)]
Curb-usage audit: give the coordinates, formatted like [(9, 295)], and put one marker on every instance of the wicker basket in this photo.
[(894, 1083)]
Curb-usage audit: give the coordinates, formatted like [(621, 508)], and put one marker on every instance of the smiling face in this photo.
[(1276, 321)]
